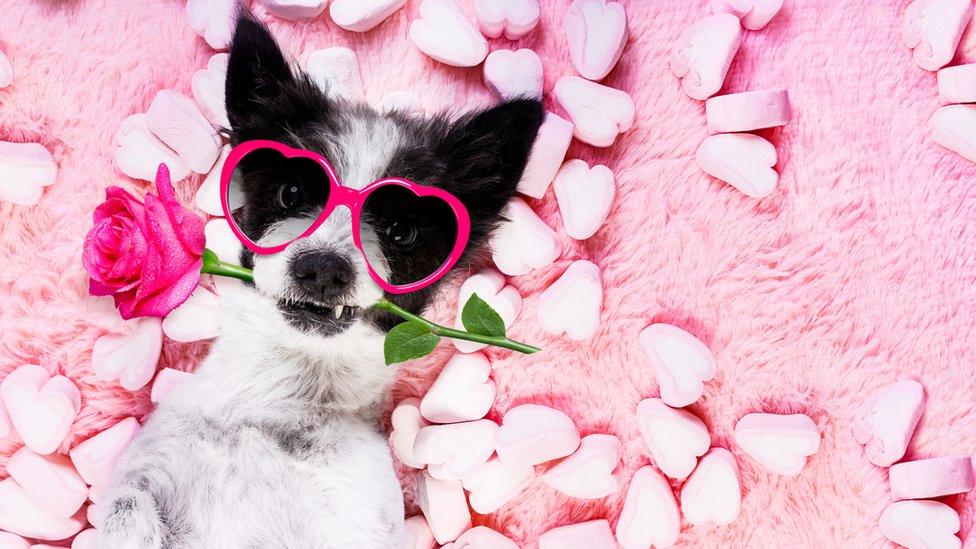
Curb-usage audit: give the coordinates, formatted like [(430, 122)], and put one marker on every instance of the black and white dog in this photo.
[(275, 442)]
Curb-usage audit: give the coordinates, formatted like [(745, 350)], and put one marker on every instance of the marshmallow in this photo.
[(462, 392), (650, 513), (444, 506), (177, 121), (363, 15), (166, 379), (584, 195), (594, 534), (524, 242), (493, 484), (208, 195), (12, 541), (50, 481), (548, 151), (402, 101), (197, 319), (25, 169), (40, 407), (140, 153), (222, 241), (954, 127), (214, 20), (455, 450), (482, 537), (780, 443), (444, 33), (886, 421), (336, 72), (957, 84), (742, 160), (513, 18), (747, 111), (208, 86), (6, 71), (130, 357), (407, 422), (675, 437), (933, 28), (95, 457), (511, 74), (966, 52), (95, 518), (754, 14), (572, 304), (6, 429), (588, 473), (20, 515), (531, 434), (596, 32), (930, 478), (296, 9), (703, 53), (681, 362), (418, 533), (490, 286), (86, 539), (921, 525), (712, 493), (599, 113)]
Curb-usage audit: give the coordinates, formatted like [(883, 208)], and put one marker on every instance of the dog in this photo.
[(276, 440)]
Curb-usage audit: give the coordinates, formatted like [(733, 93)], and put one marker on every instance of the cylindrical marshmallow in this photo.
[(957, 84), (931, 478), (747, 111)]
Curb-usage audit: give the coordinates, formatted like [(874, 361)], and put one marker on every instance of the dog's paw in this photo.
[(130, 520)]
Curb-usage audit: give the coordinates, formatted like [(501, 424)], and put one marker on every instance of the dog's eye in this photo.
[(291, 196), (402, 234)]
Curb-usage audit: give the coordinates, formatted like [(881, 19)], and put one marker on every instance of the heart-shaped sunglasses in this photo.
[(273, 195)]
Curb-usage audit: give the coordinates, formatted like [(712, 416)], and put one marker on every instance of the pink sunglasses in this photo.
[(292, 170)]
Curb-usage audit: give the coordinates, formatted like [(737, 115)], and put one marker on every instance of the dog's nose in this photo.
[(325, 275)]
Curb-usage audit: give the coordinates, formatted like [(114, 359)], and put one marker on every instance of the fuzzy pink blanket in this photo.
[(859, 269)]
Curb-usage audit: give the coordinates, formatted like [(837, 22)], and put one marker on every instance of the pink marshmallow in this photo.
[(588, 473), (742, 160), (490, 286), (40, 407), (511, 74), (86, 539), (407, 422), (712, 493), (25, 170), (650, 513), (444, 506), (12, 541), (954, 127), (166, 379), (531, 434), (584, 195), (20, 515), (933, 28), (7, 431), (548, 153), (221, 240), (681, 362), (754, 14), (780, 443), (957, 84), (524, 242), (362, 15), (596, 32), (595, 534), (493, 484), (208, 89), (885, 422), (130, 357), (572, 304), (599, 113), (482, 537), (674, 436), (336, 71), (95, 457), (462, 392), (214, 20), (50, 481), (178, 122), (513, 18), (931, 478), (703, 53), (93, 515), (418, 533), (296, 10), (208, 195), (196, 319), (140, 153), (747, 111), (443, 32), (921, 524), (455, 450)]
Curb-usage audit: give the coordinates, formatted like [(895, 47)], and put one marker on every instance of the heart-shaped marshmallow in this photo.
[(703, 53), (513, 18), (482, 537), (780, 443), (214, 20), (462, 391), (712, 493), (296, 9), (595, 534), (455, 450), (41, 407), (754, 14), (548, 153), (178, 122), (418, 533), (531, 434), (208, 89), (95, 457), (402, 101), (208, 195), (6, 71), (650, 513), (222, 241), (921, 524), (742, 160), (588, 473), (933, 28), (931, 478), (444, 506), (197, 319), (336, 71), (599, 113), (13, 541), (675, 437), (86, 539), (490, 286), (407, 422), (681, 362), (572, 304), (363, 15), (25, 169), (20, 515), (166, 379), (50, 481), (596, 32), (747, 111), (444, 33), (524, 242), (511, 74), (130, 357), (957, 84), (491, 485), (886, 421), (954, 127), (140, 153), (584, 195)]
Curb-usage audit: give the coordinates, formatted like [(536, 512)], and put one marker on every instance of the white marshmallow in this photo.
[(585, 196), (462, 392), (596, 32), (363, 15), (681, 362), (524, 242), (444, 33), (336, 71), (572, 304), (599, 113), (25, 169)]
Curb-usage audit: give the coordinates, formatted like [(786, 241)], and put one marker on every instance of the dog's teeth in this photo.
[(337, 311)]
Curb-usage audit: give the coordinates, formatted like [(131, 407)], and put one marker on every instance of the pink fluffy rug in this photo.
[(859, 269)]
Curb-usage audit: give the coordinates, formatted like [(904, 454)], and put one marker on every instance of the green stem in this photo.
[(438, 330), (213, 265)]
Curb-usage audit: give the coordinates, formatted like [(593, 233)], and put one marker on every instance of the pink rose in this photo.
[(146, 255)]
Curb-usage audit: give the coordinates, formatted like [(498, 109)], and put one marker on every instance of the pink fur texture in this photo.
[(859, 269)]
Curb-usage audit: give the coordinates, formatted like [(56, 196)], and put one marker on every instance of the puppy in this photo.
[(275, 442)]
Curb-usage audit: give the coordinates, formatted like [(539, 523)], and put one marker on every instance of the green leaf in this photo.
[(479, 318), (407, 341)]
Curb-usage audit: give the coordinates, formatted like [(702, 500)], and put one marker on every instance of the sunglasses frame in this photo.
[(354, 199)]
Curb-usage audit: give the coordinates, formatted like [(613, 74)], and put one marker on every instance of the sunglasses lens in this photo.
[(273, 199), (406, 238)]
